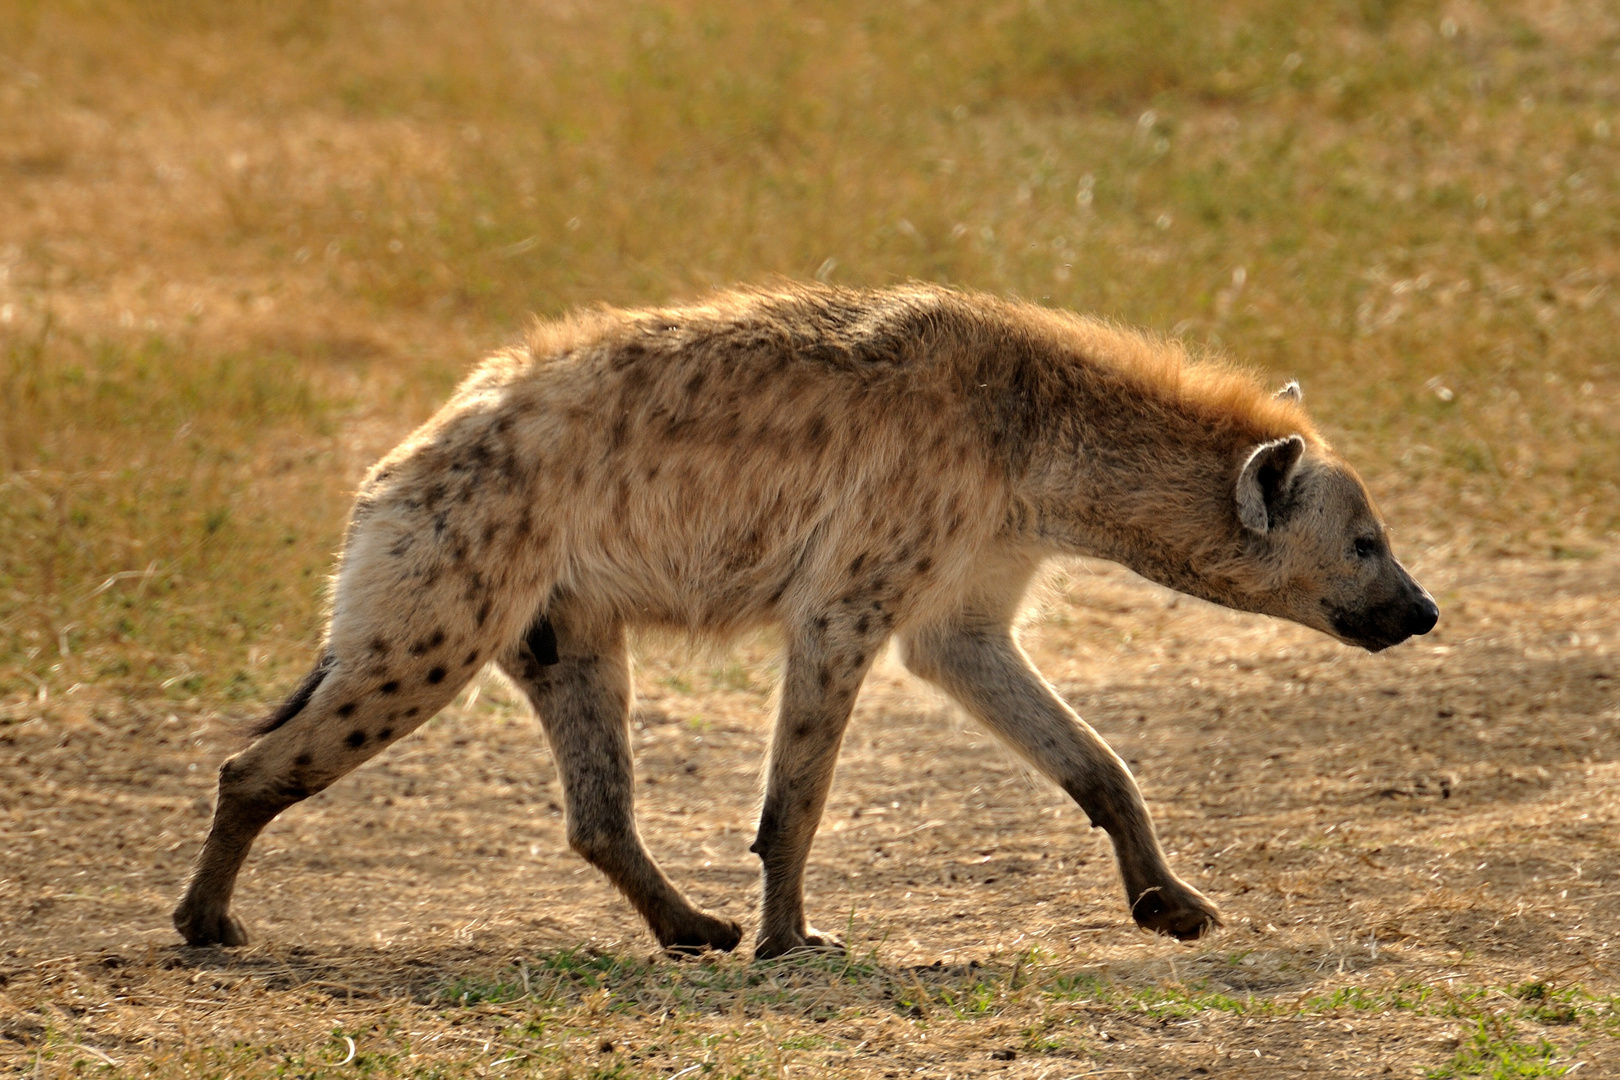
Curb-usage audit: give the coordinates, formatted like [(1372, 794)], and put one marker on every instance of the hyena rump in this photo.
[(848, 465)]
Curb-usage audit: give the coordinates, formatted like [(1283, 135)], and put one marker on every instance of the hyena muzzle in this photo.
[(849, 466)]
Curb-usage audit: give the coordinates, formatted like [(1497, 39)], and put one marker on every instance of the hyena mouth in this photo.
[(1380, 628)]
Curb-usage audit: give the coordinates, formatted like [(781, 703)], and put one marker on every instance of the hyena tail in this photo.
[(297, 699)]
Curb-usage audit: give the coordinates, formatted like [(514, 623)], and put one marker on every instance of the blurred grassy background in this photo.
[(245, 245)]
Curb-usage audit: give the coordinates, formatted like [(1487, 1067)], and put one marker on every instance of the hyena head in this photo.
[(1319, 550)]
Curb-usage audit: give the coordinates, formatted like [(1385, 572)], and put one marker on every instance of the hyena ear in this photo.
[(1267, 473), (1291, 392)]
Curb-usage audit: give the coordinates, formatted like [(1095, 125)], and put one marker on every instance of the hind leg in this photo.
[(380, 679), (442, 566), (583, 700)]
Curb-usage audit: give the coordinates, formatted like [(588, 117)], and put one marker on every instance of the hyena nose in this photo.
[(1423, 615)]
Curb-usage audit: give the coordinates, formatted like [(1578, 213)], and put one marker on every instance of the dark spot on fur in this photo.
[(816, 434), (389, 687), (472, 658), (432, 641), (380, 646), (819, 623), (862, 623), (824, 677), (652, 473), (356, 739), (346, 709), (856, 564), (386, 733), (293, 790), (304, 759), (924, 565), (436, 675), (695, 383), (483, 613), (630, 353), (413, 710), (636, 378), (541, 641), (803, 730)]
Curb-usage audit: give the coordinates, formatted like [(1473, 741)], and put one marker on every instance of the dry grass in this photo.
[(244, 246)]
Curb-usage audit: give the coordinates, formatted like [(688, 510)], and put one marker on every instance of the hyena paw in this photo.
[(209, 927), (771, 946), (699, 932), (1177, 909)]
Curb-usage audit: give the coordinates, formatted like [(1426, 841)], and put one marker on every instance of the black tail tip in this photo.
[(297, 699)]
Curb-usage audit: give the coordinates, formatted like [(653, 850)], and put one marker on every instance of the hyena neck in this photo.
[(1163, 512), (1137, 467)]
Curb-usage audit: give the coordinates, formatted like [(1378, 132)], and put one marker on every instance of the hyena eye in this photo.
[(1366, 547)]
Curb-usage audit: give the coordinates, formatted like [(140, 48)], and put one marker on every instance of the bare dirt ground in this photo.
[(1415, 852)]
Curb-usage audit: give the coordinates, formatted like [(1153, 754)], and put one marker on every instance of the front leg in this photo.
[(983, 668), (826, 662)]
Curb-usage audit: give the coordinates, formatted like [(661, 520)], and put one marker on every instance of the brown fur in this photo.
[(849, 465)]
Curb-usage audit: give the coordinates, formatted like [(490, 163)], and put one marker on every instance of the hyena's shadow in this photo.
[(560, 977)]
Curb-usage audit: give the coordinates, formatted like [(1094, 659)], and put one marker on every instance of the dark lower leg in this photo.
[(340, 721), (583, 701), (818, 692), (203, 915), (787, 828)]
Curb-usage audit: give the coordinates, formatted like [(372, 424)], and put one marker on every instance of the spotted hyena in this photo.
[(850, 466)]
